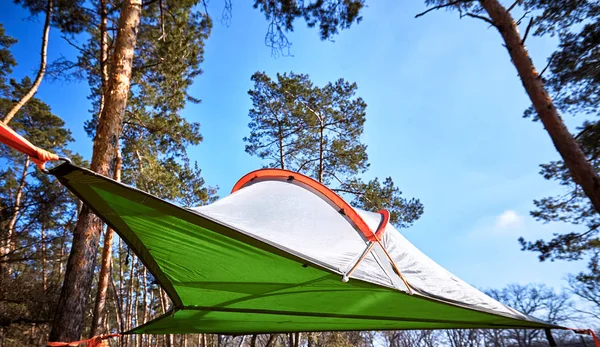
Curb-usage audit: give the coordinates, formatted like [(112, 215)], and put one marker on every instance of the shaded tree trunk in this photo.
[(7, 247), (105, 268), (69, 316), (580, 168), (43, 241), (41, 71), (271, 340), (130, 304)]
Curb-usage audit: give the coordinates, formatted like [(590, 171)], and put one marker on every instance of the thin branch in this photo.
[(547, 66), (510, 8), (42, 69), (435, 8), (163, 35), (523, 17), (483, 18), (527, 30)]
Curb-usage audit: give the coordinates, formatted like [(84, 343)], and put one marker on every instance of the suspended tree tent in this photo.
[(282, 253), (273, 257)]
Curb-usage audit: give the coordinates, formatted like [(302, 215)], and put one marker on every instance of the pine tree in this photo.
[(34, 244), (572, 83), (317, 131), (67, 325)]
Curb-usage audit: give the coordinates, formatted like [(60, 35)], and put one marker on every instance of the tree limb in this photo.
[(517, 2), (435, 8), (527, 30), (483, 18), (546, 68), (38, 79)]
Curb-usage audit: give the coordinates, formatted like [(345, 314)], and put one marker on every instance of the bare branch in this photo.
[(527, 30), (438, 7), (163, 36), (523, 17), (510, 8), (227, 13), (547, 66), (483, 18)]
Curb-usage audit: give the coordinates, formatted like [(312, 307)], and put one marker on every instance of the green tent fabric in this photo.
[(224, 279)]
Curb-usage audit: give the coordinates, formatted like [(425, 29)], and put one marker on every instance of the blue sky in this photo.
[(443, 119)]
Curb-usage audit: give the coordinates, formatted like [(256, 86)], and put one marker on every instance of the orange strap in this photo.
[(96, 341), (18, 143), (589, 332), (341, 204)]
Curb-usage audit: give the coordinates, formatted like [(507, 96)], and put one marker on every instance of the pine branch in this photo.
[(483, 18), (510, 8), (527, 30), (438, 7), (547, 66)]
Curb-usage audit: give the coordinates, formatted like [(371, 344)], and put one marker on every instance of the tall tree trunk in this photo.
[(163, 304), (43, 241), (321, 151), (105, 269), (41, 71), (103, 53), (281, 156), (118, 306), (7, 247), (69, 316), (129, 312), (145, 303), (271, 340), (580, 168)]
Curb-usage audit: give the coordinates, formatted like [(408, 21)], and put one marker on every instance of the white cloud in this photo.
[(508, 224), (509, 219)]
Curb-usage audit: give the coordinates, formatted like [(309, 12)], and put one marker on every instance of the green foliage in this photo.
[(45, 205), (573, 81), (330, 15), (7, 60), (308, 129), (316, 131), (375, 195), (155, 136), (70, 16)]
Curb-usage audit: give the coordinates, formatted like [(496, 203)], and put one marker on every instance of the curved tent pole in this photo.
[(334, 199), (327, 194)]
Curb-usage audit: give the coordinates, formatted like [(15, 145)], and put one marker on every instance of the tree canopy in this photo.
[(317, 131)]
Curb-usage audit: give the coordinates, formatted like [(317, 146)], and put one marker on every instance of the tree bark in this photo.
[(103, 54), (43, 242), (69, 316), (105, 269), (41, 71), (271, 340), (130, 304), (321, 150), (580, 168), (7, 247)]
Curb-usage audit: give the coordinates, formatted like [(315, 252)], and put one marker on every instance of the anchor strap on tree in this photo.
[(96, 341)]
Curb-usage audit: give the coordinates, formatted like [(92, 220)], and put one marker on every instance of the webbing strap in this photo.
[(589, 332), (96, 341), (19, 143)]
